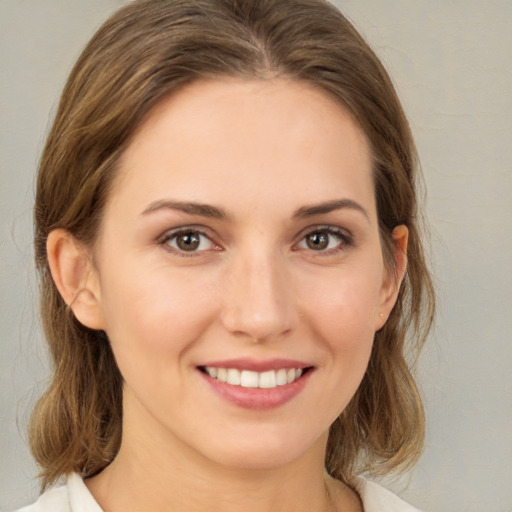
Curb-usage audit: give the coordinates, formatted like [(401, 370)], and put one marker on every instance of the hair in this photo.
[(146, 51)]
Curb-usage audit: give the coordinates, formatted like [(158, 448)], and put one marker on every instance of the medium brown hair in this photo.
[(143, 53)]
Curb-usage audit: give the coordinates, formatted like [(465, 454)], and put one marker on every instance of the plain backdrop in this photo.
[(451, 61)]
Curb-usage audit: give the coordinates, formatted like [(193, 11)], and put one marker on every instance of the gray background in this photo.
[(451, 61)]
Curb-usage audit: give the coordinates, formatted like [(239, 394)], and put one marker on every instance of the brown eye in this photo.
[(188, 241), (326, 240), (318, 241)]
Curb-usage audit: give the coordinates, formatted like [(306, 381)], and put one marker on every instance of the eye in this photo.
[(188, 241), (325, 240)]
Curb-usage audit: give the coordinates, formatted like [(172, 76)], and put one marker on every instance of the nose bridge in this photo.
[(258, 299)]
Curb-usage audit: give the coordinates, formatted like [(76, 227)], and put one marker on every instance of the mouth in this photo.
[(268, 379), (260, 385)]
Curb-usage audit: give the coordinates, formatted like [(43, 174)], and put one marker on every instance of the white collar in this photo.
[(375, 498)]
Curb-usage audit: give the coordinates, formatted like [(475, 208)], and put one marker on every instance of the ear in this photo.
[(394, 276), (75, 277)]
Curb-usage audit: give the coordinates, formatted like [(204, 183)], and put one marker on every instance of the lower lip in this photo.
[(259, 399)]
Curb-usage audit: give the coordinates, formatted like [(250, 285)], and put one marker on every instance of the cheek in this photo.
[(343, 305), (342, 318), (155, 312), (153, 319)]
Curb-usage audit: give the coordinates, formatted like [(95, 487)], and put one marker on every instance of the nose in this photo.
[(258, 299)]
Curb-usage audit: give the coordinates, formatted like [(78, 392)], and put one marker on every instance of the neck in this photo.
[(158, 472), (167, 481)]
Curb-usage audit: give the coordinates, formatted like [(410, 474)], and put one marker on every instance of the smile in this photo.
[(251, 379)]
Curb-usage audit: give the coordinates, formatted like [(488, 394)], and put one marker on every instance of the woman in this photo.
[(227, 239)]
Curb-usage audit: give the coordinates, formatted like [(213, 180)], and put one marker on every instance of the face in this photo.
[(239, 273)]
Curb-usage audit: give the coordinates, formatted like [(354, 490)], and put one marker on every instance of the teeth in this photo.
[(249, 379), (233, 377), (281, 377), (222, 374), (268, 379)]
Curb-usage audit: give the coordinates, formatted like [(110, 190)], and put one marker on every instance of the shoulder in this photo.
[(376, 498), (55, 499), (71, 496)]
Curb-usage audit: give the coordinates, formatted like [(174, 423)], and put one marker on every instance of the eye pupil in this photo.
[(188, 241), (317, 241)]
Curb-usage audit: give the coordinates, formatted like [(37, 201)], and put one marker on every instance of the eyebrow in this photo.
[(207, 210), (204, 210), (328, 207)]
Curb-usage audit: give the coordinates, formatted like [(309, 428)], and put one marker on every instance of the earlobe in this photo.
[(74, 275), (395, 275)]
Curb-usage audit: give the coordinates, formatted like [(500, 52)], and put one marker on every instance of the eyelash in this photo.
[(346, 240), (173, 235)]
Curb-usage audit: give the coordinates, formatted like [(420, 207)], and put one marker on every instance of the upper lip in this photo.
[(257, 365)]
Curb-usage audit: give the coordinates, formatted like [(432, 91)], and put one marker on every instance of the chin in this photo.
[(265, 451)]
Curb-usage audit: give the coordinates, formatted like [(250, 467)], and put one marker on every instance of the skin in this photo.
[(262, 152)]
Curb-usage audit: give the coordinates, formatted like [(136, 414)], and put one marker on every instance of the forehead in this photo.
[(232, 138)]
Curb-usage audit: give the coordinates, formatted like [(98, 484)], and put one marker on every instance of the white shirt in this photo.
[(73, 496)]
